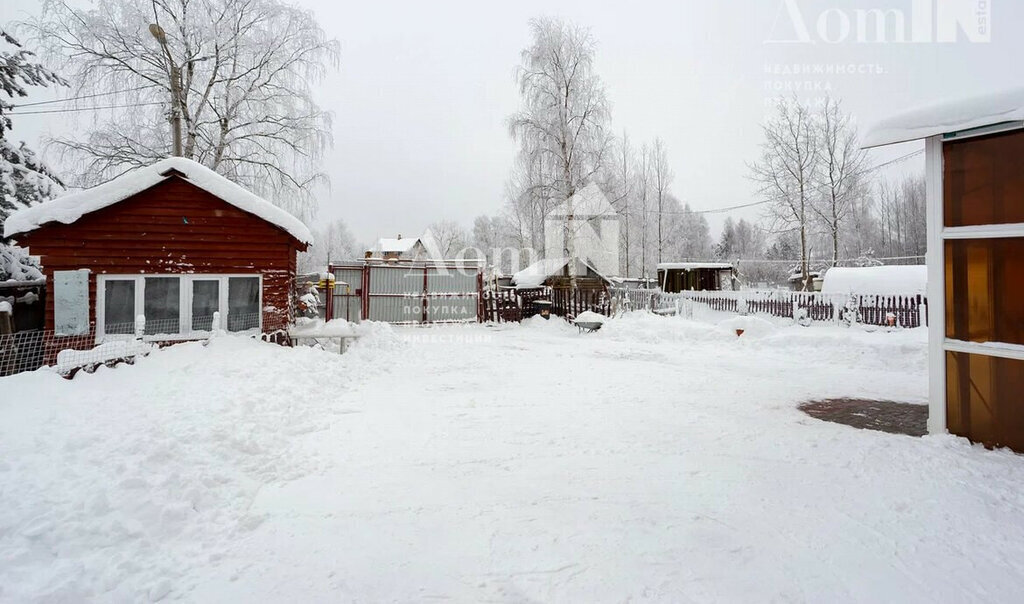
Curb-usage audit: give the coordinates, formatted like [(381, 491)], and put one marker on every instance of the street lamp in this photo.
[(161, 38)]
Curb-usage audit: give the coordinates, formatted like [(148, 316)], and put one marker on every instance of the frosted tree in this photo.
[(661, 181), (562, 124), (24, 179), (448, 237), (494, 237), (237, 75), (623, 179), (842, 165), (642, 212), (788, 170), (333, 242)]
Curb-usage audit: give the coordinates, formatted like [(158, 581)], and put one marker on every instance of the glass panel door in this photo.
[(243, 303), (205, 302), (119, 306), (162, 305)]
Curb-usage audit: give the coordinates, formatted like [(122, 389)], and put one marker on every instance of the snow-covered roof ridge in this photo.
[(535, 274), (400, 244), (69, 208), (948, 116)]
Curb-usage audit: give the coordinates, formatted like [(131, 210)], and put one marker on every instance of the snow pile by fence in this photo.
[(886, 280)]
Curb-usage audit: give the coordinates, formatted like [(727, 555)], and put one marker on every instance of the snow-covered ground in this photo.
[(658, 459)]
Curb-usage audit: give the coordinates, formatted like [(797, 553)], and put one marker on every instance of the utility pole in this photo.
[(175, 117)]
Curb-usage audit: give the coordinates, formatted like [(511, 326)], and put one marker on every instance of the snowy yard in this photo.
[(655, 460)]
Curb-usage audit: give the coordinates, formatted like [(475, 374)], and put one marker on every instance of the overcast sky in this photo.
[(424, 88)]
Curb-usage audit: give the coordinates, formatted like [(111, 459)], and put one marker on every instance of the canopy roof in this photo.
[(948, 117), (689, 266)]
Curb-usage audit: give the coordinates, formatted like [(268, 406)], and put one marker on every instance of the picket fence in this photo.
[(909, 310), (902, 310)]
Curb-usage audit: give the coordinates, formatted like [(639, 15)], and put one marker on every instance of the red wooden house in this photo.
[(174, 243)]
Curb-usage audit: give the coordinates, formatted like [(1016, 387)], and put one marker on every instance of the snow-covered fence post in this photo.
[(922, 315), (140, 327), (215, 325)]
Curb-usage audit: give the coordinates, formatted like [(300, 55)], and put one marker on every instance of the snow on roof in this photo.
[(69, 208), (400, 245), (892, 280), (535, 274), (947, 117), (588, 201), (689, 266)]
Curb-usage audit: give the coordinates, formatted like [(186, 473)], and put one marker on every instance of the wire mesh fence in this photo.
[(115, 343)]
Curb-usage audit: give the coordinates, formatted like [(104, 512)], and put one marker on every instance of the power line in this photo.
[(76, 109), (77, 98), (773, 199)]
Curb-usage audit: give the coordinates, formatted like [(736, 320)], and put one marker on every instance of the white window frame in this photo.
[(938, 234), (186, 281)]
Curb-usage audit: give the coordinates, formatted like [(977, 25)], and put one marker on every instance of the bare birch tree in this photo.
[(564, 115), (239, 73), (641, 215), (625, 182), (662, 177), (842, 164), (787, 171)]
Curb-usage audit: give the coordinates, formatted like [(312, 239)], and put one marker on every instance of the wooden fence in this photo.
[(906, 310), (511, 305)]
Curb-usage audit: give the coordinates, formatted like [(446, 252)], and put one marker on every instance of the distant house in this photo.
[(554, 272), (674, 277), (974, 172), (399, 248), (173, 243), (797, 282)]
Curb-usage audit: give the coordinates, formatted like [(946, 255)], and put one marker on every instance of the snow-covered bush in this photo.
[(851, 312), (801, 317), (17, 265)]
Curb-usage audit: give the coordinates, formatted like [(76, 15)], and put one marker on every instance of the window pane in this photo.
[(243, 303), (119, 306), (983, 400), (985, 290), (983, 180), (162, 305), (205, 302)]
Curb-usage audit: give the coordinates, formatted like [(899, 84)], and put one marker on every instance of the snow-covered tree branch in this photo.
[(247, 69)]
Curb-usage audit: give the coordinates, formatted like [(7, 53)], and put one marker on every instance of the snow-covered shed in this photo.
[(173, 242), (674, 277), (554, 272), (974, 158), (881, 280)]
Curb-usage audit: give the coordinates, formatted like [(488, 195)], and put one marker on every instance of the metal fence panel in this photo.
[(451, 281), (348, 301), (396, 309), (450, 308), (395, 280)]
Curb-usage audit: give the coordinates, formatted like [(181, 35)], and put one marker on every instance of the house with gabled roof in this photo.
[(173, 243)]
